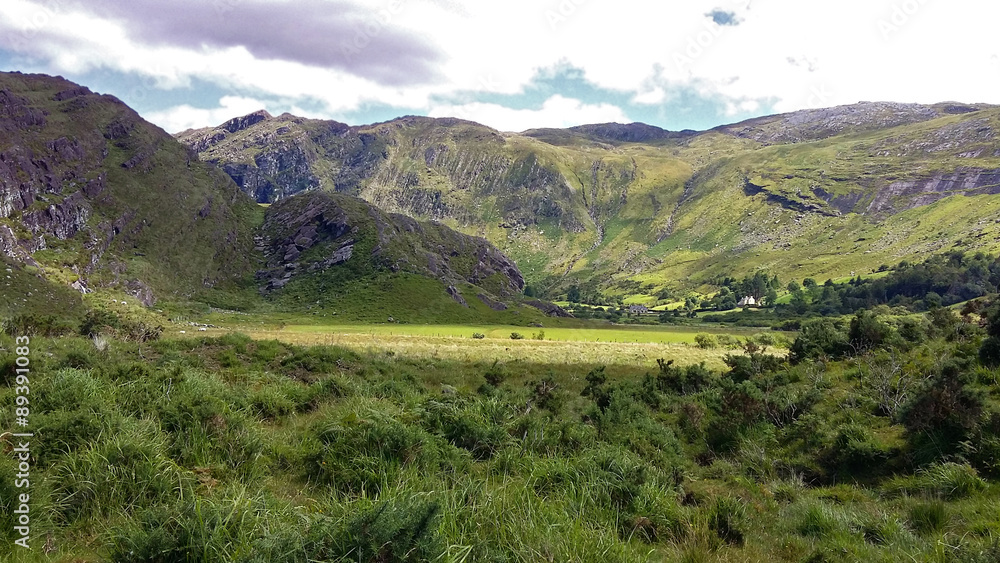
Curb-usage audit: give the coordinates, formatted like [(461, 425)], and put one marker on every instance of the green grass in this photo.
[(235, 449), (636, 334)]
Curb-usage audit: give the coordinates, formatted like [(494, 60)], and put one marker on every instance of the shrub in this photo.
[(228, 359), (819, 338), (461, 424), (705, 341), (27, 324), (97, 321), (102, 321), (516, 336), (546, 394), (236, 340), (855, 451), (497, 374), (867, 332), (686, 380), (596, 387), (728, 341), (478, 335), (943, 415), (752, 365), (266, 350), (397, 530), (318, 359), (989, 351)]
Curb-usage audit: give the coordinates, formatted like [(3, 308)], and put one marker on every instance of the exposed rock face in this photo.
[(492, 303), (313, 232), (281, 156), (453, 292), (906, 194), (63, 220), (241, 123), (811, 124), (550, 309)]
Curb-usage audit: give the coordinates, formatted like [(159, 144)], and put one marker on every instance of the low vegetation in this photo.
[(873, 439)]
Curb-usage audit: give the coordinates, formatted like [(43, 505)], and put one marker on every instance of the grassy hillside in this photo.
[(94, 193)]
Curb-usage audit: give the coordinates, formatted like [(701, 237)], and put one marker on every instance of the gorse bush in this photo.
[(32, 324), (705, 341), (856, 453), (944, 414), (689, 379), (818, 339)]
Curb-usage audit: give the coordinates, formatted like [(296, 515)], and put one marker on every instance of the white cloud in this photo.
[(789, 53), (557, 111)]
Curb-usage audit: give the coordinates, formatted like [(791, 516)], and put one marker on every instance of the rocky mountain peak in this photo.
[(248, 120)]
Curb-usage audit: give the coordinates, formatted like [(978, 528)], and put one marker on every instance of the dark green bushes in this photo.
[(943, 415)]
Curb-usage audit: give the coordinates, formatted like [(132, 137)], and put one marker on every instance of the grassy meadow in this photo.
[(638, 346), (248, 448)]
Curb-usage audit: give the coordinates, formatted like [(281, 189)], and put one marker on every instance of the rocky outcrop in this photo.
[(63, 219), (311, 233), (906, 194), (550, 309), (241, 123), (492, 303), (813, 124), (454, 294)]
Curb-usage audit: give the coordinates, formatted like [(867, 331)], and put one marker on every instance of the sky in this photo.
[(511, 64)]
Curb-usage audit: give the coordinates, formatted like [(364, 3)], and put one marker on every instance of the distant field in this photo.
[(617, 333), (639, 346)]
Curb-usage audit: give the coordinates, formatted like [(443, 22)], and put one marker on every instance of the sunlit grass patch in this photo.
[(467, 349)]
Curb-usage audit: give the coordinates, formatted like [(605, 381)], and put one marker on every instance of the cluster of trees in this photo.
[(941, 280), (761, 286)]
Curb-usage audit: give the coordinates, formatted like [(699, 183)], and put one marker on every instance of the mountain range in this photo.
[(314, 214), (93, 197), (632, 209)]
